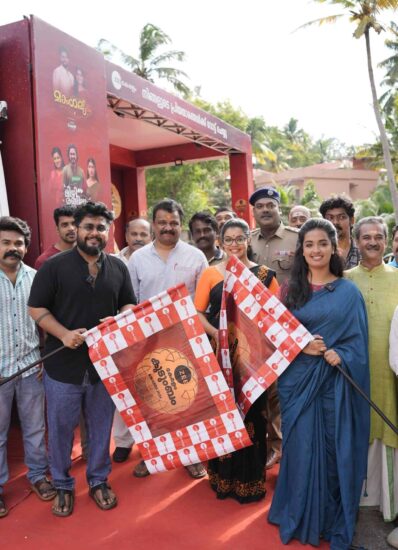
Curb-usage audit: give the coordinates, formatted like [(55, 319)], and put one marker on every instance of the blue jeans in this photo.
[(29, 396), (64, 402)]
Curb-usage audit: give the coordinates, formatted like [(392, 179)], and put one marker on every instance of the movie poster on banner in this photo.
[(72, 152), (158, 366), (259, 337)]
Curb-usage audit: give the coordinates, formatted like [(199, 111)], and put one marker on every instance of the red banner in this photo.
[(158, 366), (259, 337)]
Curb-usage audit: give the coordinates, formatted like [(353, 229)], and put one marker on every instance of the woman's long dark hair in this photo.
[(298, 290)]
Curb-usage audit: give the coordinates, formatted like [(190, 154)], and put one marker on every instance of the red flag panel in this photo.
[(258, 336), (159, 368)]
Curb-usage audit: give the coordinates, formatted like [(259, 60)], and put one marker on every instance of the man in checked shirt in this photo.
[(19, 346)]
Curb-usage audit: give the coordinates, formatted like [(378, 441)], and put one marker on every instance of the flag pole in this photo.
[(25, 369), (370, 402)]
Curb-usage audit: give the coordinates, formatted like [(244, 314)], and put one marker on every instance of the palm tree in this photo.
[(391, 79), (364, 13), (149, 64)]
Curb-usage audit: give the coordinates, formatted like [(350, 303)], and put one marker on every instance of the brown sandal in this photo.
[(3, 508), (141, 470), (44, 489)]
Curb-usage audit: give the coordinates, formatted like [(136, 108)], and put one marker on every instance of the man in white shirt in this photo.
[(164, 263), (138, 234)]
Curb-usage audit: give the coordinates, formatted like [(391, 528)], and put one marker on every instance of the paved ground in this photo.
[(372, 531)]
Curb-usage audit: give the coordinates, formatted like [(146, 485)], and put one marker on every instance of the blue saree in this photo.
[(325, 424)]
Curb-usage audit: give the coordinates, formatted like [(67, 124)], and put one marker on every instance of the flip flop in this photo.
[(62, 502), (103, 487), (44, 489)]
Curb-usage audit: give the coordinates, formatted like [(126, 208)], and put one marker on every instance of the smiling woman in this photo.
[(325, 423)]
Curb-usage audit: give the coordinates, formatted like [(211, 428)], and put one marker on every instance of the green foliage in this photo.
[(150, 63), (201, 186)]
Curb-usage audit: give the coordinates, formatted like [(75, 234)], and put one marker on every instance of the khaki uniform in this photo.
[(276, 252)]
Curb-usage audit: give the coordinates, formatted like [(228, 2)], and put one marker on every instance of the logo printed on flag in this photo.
[(157, 364), (259, 337)]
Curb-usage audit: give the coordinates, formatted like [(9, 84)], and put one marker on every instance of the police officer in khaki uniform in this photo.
[(272, 245)]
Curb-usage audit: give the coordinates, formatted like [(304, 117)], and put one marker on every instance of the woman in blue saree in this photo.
[(325, 422)]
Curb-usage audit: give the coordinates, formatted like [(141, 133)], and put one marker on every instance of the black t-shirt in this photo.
[(63, 286)]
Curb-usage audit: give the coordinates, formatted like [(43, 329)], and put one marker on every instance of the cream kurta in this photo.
[(379, 288)]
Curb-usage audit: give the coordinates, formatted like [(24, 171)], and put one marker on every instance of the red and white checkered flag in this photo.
[(158, 366), (258, 336)]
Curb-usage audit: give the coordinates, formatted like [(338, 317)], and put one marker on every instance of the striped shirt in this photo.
[(19, 336)]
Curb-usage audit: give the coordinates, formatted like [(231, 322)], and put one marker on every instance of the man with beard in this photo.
[(66, 229), (138, 234), (72, 292), (273, 245), (204, 229), (19, 347), (63, 79), (164, 263), (73, 179), (378, 283), (340, 212)]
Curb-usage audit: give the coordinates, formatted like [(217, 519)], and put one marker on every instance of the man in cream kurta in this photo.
[(379, 285)]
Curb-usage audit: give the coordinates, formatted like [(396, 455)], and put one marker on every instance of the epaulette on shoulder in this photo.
[(292, 229), (255, 231)]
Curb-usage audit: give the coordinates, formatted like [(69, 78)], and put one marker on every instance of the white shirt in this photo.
[(150, 274)]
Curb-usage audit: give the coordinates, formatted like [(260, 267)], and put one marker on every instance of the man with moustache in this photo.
[(164, 263), (298, 215), (273, 244), (340, 211), (73, 179), (65, 224), (204, 229), (72, 292), (138, 234), (19, 347), (378, 283)]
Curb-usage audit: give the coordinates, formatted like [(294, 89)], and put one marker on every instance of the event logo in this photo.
[(166, 381), (116, 80)]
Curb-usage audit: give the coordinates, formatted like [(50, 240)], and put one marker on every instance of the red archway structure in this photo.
[(121, 121), (150, 127)]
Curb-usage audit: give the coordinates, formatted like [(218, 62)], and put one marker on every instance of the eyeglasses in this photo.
[(89, 227), (240, 239)]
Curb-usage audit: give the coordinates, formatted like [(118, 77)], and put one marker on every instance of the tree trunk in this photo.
[(382, 131)]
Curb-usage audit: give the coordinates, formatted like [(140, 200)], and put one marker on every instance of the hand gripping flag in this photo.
[(258, 336), (158, 366)]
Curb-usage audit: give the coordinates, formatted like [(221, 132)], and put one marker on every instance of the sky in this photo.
[(248, 52)]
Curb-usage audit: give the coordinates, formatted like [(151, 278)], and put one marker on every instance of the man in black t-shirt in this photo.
[(71, 293)]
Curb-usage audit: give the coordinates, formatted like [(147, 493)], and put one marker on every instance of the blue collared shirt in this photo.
[(19, 336), (151, 275), (393, 263)]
